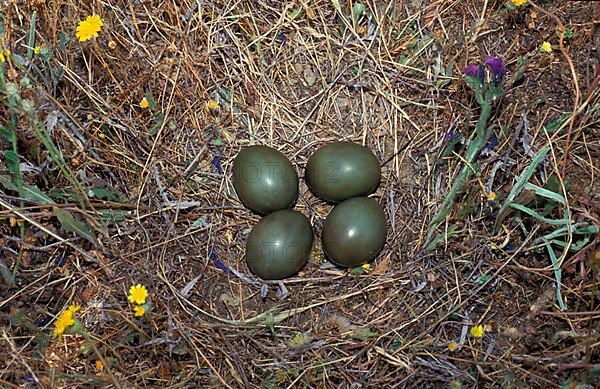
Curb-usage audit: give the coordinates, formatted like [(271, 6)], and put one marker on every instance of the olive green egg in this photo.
[(279, 245), (264, 179), (354, 232), (342, 170)]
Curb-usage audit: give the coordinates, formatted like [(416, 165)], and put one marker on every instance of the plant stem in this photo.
[(480, 140)]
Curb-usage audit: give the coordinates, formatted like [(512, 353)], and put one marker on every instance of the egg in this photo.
[(279, 245), (354, 232), (342, 170), (264, 179)]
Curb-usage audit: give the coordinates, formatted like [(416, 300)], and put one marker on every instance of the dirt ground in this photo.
[(144, 195)]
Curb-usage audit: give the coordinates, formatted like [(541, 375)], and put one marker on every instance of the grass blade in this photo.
[(522, 181), (557, 274), (546, 193), (31, 41), (536, 215)]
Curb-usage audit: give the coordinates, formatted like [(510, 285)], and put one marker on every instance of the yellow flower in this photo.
[(212, 104), (452, 346), (491, 196), (4, 54), (89, 28), (366, 267), (139, 311), (99, 365), (138, 294), (144, 103), (547, 47), (477, 331), (74, 308), (518, 3), (36, 50), (65, 320)]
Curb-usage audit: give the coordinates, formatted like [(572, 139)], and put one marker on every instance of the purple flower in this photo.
[(481, 73), (60, 261), (492, 143), (471, 70), (450, 135), (216, 161), (220, 265), (497, 68), (495, 64)]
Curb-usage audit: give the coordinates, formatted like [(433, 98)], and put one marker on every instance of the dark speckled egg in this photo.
[(354, 232), (279, 245), (342, 170), (264, 179)]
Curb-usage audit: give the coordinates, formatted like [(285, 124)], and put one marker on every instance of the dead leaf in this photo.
[(542, 302), (229, 299), (86, 295), (510, 332), (429, 13), (309, 75), (431, 277), (382, 267), (309, 12), (188, 288)]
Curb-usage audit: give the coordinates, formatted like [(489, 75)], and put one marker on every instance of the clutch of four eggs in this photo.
[(281, 243)]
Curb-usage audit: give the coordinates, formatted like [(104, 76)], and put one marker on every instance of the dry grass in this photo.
[(391, 81)]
